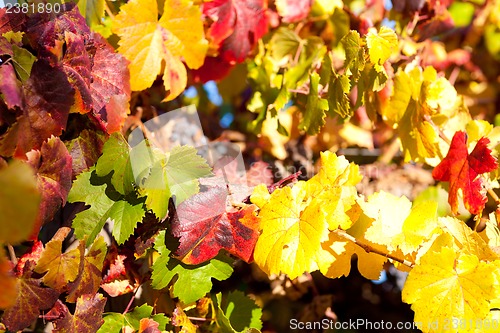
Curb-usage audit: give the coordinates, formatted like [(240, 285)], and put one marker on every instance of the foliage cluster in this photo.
[(299, 80)]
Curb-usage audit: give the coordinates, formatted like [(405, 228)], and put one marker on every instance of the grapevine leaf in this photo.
[(85, 150), (354, 54), (147, 325), (314, 114), (401, 227), (9, 86), (90, 222), (462, 169), (117, 322), (338, 99), (292, 232), (408, 108), (193, 282), (8, 282), (12, 22), (284, 43), (87, 317), (30, 299), (116, 282), (92, 10), (173, 174), (90, 271), (238, 25), (48, 98), (334, 187), (53, 165), (23, 62), (447, 285), (204, 228), (381, 44), (146, 42), (293, 10), (60, 268), (337, 253), (110, 85), (180, 319), (19, 202), (236, 312), (116, 158)]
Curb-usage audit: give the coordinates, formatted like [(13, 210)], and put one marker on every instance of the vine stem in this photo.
[(127, 309), (368, 248), (12, 254)]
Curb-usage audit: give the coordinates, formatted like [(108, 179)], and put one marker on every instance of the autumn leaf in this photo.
[(238, 25), (60, 268), (204, 227), (293, 10), (87, 316), (449, 284), (292, 232), (53, 166), (30, 299), (462, 169), (193, 282), (401, 226), (146, 41), (180, 319), (8, 282), (90, 270), (381, 44), (117, 322), (10, 87), (19, 202)]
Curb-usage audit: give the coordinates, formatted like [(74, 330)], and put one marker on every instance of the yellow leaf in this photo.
[(397, 225), (293, 228), (381, 45), (447, 285), (328, 6), (147, 42), (334, 187)]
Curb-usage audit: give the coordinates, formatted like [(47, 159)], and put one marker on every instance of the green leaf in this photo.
[(285, 42), (354, 54), (314, 114), (193, 281), (173, 174), (23, 62), (90, 222), (19, 202), (338, 100), (116, 158), (92, 10), (116, 322), (237, 313)]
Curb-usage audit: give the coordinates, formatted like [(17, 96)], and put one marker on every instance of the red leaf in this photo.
[(31, 298), (205, 227), (214, 68), (238, 25), (116, 281), (462, 170), (87, 317), (85, 150), (32, 256), (12, 22), (52, 165), (9, 86), (293, 10), (147, 325)]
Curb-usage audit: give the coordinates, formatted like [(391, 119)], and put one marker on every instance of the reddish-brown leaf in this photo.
[(90, 271), (31, 298), (9, 86), (29, 259), (238, 25), (462, 169), (116, 281), (205, 227), (11, 22), (8, 282), (147, 325), (214, 68), (53, 168), (85, 150), (87, 317)]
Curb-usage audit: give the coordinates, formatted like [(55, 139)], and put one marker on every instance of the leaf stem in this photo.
[(12, 254), (127, 309), (494, 196), (368, 248)]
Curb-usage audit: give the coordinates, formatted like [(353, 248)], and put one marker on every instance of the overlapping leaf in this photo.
[(193, 282), (238, 25), (236, 312), (205, 227), (462, 169), (117, 322), (87, 316), (146, 42)]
